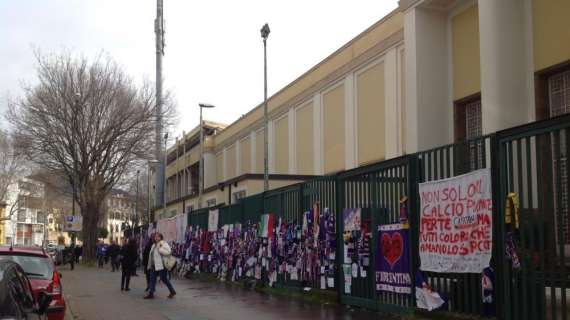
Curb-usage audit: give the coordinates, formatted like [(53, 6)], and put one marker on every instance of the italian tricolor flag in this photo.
[(266, 225)]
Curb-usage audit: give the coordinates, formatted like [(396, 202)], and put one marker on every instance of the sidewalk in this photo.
[(93, 293)]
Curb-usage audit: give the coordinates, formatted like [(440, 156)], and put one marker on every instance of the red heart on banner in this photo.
[(392, 248)]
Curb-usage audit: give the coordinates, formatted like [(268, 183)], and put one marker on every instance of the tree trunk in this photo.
[(90, 213)]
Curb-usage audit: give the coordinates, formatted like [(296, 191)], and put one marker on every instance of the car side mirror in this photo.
[(44, 300)]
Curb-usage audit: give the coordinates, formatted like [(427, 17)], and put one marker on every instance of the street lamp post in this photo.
[(165, 164), (264, 34), (201, 165)]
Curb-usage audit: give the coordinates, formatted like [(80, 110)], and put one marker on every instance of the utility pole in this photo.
[(160, 168)]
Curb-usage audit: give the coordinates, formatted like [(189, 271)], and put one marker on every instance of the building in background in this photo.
[(119, 214), (430, 73), (27, 212)]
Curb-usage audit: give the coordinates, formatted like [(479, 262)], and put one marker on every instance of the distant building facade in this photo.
[(430, 73)]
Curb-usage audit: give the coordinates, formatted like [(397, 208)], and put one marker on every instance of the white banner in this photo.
[(213, 220), (456, 223)]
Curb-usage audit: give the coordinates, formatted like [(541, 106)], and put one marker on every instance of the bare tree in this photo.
[(90, 122), (12, 164)]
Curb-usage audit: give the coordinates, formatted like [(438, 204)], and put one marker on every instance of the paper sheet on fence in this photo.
[(213, 216), (456, 223)]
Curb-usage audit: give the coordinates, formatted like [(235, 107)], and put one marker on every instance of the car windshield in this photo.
[(34, 266)]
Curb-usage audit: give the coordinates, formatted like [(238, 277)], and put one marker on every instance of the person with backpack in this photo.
[(160, 258)]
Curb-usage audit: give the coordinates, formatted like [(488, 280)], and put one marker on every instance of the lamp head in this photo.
[(206, 105), (265, 31)]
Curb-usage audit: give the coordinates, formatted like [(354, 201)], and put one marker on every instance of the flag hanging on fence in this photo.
[(392, 262), (266, 225)]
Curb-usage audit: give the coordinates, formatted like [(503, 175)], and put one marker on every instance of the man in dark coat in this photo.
[(128, 260), (113, 253), (77, 253), (146, 253)]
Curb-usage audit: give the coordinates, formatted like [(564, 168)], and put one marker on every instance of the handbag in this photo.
[(169, 262)]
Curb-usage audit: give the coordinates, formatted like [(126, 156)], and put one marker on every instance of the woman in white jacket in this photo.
[(159, 249)]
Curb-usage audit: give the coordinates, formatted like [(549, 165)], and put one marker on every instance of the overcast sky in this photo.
[(213, 53)]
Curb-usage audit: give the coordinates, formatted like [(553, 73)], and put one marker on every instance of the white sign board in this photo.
[(73, 223), (213, 220), (456, 223)]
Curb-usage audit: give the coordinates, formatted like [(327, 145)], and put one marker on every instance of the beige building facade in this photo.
[(430, 73)]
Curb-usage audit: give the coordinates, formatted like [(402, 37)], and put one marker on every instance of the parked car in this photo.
[(17, 298), (40, 269)]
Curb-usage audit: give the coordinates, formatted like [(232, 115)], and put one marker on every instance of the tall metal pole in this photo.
[(148, 193), (160, 169), (137, 202), (201, 168), (264, 34), (164, 167)]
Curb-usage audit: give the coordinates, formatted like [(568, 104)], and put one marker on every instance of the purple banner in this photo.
[(392, 260)]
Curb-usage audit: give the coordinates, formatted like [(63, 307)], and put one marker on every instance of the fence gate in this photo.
[(376, 190), (533, 162)]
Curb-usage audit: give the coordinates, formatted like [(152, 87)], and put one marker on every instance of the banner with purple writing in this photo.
[(392, 260)]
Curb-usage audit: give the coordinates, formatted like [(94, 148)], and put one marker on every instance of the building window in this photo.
[(210, 202), (239, 195), (559, 104), (473, 130), (40, 217), (22, 215), (468, 126), (559, 93)]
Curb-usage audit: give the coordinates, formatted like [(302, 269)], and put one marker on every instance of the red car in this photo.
[(40, 269)]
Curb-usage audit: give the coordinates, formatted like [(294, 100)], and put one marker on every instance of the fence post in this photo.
[(340, 197), (413, 180), (498, 180)]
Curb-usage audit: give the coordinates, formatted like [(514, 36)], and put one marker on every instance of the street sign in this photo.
[(73, 223)]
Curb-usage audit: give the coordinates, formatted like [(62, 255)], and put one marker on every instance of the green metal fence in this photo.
[(530, 161), (376, 190), (533, 163), (463, 290)]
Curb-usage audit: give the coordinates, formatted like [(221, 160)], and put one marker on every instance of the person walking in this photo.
[(159, 249), (71, 256), (77, 253), (100, 255), (145, 258), (113, 252), (128, 260)]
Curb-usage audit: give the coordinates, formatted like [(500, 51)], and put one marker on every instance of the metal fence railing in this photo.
[(530, 161)]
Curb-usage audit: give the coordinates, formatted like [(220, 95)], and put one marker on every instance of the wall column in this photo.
[(504, 64), (428, 113)]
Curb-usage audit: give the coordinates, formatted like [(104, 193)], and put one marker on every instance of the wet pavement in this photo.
[(95, 293)]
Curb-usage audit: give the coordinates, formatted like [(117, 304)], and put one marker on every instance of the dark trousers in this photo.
[(114, 264), (100, 261), (125, 278), (163, 274), (147, 274)]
